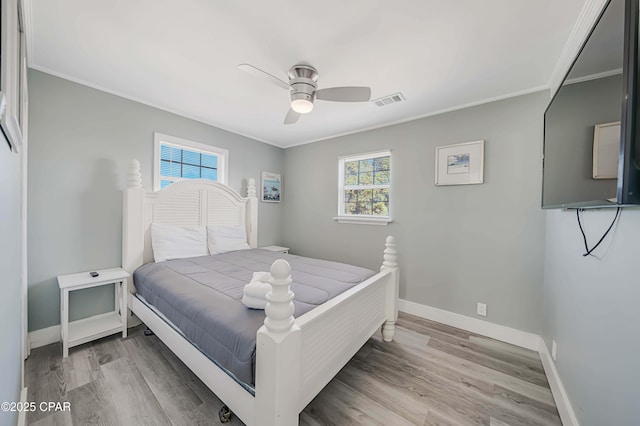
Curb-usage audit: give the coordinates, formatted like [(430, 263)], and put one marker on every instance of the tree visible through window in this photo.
[(365, 184)]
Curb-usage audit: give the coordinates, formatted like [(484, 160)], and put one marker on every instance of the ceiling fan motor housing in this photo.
[(304, 82), (302, 87)]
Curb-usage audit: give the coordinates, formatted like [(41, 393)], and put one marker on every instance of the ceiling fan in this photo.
[(303, 89)]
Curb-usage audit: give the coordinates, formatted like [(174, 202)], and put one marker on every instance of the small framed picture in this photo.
[(460, 164), (271, 187)]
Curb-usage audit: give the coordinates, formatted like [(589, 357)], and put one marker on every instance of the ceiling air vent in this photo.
[(390, 99)]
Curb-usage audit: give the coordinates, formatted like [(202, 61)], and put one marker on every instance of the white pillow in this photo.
[(178, 242), (224, 238)]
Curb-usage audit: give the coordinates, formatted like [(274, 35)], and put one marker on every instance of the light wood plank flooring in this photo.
[(431, 374)]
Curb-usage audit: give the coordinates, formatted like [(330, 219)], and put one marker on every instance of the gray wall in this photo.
[(80, 142), (10, 265), (458, 244), (568, 164), (591, 310)]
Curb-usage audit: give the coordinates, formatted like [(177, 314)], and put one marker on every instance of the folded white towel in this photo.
[(261, 276), (255, 293), (254, 302), (257, 289)]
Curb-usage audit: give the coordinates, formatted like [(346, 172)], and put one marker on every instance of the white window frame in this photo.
[(159, 138), (362, 219), (13, 74)]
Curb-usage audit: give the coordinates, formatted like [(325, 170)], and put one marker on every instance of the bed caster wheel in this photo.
[(224, 414), (148, 332)]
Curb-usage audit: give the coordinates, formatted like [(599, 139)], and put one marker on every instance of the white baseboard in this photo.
[(22, 414), (44, 336), (495, 331), (567, 415)]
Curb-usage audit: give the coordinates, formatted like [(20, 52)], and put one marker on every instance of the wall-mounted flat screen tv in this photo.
[(591, 147)]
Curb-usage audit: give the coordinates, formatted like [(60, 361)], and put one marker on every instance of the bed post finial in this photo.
[(279, 310), (134, 177), (391, 300), (251, 188), (390, 254)]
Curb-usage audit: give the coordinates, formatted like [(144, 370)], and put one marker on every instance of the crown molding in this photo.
[(586, 19)]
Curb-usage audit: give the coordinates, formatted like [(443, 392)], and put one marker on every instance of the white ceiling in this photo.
[(182, 56)]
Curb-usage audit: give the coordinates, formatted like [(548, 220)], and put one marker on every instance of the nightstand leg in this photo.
[(124, 294), (116, 288), (64, 322)]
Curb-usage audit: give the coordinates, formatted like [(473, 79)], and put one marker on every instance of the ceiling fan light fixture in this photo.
[(303, 89), (302, 106)]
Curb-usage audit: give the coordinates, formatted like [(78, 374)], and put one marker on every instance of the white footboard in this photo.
[(296, 358), (331, 335)]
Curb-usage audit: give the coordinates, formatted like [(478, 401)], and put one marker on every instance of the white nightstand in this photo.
[(85, 330), (279, 249)]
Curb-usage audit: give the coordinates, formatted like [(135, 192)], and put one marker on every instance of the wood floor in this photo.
[(430, 375)]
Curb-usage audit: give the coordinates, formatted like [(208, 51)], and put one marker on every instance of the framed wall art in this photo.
[(271, 187), (460, 164)]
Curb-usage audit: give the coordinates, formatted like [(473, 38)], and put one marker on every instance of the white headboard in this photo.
[(190, 202)]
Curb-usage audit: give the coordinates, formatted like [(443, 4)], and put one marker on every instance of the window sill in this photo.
[(363, 220)]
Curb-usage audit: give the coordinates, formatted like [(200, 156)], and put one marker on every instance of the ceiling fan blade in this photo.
[(291, 117), (344, 94), (264, 75)]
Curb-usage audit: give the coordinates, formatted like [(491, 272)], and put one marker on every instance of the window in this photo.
[(179, 159), (364, 188)]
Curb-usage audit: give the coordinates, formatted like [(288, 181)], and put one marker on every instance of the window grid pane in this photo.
[(210, 161), (170, 153), (381, 177), (167, 168), (190, 157), (208, 173), (190, 172), (365, 178), (366, 165)]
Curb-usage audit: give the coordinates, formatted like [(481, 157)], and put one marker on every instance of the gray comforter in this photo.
[(202, 297)]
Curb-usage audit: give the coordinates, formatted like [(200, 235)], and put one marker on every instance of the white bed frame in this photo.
[(295, 357)]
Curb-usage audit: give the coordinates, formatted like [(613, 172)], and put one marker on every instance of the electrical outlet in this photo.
[(482, 309), (554, 349)]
